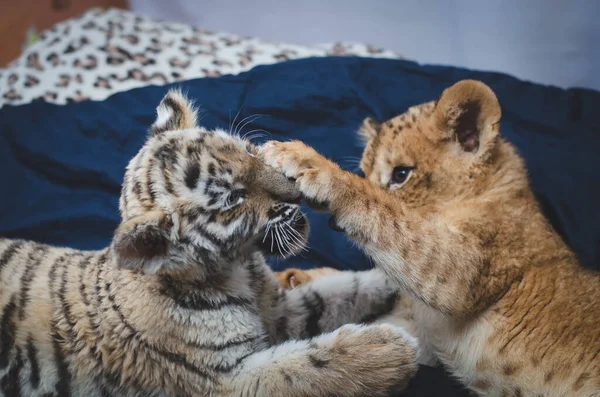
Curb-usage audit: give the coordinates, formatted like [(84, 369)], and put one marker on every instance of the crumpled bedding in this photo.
[(62, 166)]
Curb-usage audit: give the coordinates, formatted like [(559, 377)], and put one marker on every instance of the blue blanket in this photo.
[(61, 166)]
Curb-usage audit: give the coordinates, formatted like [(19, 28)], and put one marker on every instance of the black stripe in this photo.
[(11, 382), (355, 288), (315, 308), (225, 345), (256, 276), (10, 251), (63, 386), (205, 234), (34, 376), (317, 362), (281, 323), (173, 122), (124, 195), (189, 298), (223, 244), (380, 308), (66, 306), (104, 392), (223, 184), (224, 368), (192, 174), (137, 190), (281, 327), (176, 120), (27, 277), (168, 184), (205, 257), (167, 154), (213, 200), (286, 377), (83, 264), (52, 274), (7, 331), (174, 358), (194, 213), (257, 387), (149, 181), (63, 373), (208, 185)]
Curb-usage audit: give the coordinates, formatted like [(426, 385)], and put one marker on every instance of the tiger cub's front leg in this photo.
[(402, 314), (331, 301), (353, 361)]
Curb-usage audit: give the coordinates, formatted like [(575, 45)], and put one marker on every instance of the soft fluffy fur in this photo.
[(291, 278), (182, 302), (491, 289)]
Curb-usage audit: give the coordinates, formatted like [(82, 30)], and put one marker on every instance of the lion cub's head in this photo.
[(439, 151)]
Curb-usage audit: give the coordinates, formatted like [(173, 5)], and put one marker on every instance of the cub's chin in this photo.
[(286, 238)]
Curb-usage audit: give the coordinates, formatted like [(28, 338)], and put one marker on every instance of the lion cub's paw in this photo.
[(291, 278), (314, 174)]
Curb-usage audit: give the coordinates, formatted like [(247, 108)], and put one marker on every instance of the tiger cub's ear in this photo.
[(175, 112), (142, 243)]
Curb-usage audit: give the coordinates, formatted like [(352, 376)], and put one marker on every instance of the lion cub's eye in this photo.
[(400, 175)]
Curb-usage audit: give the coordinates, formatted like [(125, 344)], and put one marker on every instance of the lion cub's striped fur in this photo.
[(447, 212), (182, 303)]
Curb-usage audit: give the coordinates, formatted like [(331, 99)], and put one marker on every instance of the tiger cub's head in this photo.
[(443, 151), (192, 196)]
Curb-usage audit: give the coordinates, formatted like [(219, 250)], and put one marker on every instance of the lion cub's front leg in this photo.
[(431, 269), (357, 207), (317, 177)]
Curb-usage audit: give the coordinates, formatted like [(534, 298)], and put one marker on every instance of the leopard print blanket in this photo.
[(107, 51)]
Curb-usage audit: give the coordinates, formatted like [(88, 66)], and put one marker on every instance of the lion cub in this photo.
[(447, 212)]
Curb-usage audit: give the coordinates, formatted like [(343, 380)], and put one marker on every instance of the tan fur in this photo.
[(495, 293), (291, 278)]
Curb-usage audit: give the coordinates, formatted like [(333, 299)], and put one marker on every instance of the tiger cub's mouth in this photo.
[(286, 234)]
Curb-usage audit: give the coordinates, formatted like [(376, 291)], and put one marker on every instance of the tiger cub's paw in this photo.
[(382, 358)]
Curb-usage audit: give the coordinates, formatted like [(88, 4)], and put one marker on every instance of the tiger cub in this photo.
[(182, 302), (446, 211)]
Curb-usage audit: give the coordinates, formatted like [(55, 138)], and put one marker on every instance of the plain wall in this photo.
[(546, 41)]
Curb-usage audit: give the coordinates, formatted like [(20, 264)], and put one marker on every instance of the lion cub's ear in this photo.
[(469, 113), (369, 129)]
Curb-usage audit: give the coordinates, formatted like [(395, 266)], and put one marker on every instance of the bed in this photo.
[(107, 51), (62, 157)]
